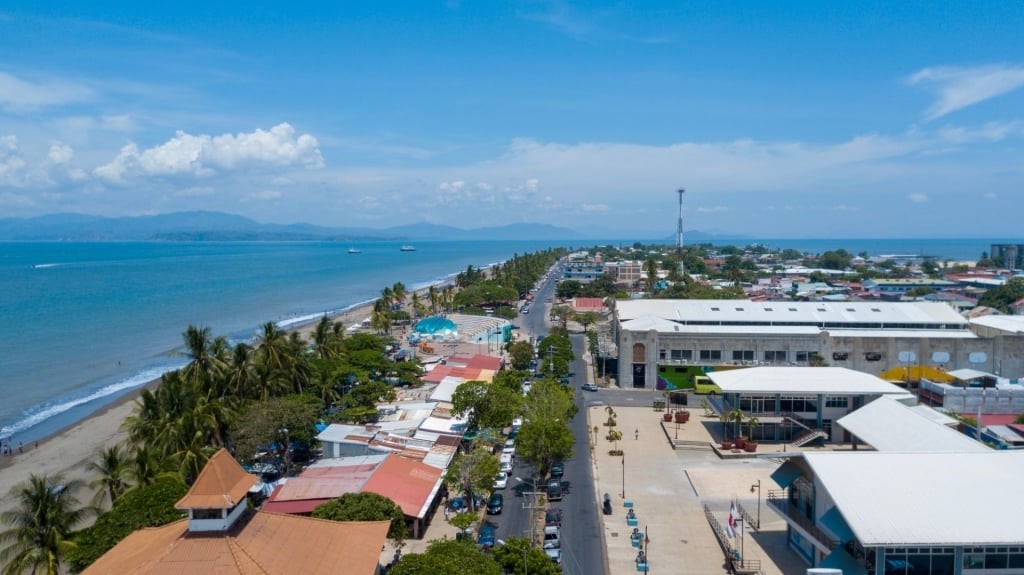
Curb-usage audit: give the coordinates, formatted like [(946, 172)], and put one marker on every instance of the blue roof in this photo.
[(435, 324)]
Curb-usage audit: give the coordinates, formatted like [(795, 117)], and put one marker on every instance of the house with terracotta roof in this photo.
[(221, 535)]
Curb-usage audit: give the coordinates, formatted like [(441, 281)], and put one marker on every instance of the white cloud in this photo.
[(990, 132), (712, 209), (959, 88), (599, 208), (19, 95), (484, 186), (60, 153), (205, 155), (918, 197), (12, 165)]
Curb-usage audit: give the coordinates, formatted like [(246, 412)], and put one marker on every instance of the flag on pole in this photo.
[(730, 522)]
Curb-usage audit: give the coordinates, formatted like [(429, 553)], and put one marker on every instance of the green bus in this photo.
[(702, 386)]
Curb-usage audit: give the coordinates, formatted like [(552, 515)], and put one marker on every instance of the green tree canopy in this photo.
[(449, 557), (261, 421), (486, 404), (366, 506), (1001, 297), (545, 436), (518, 557), (473, 472), (521, 353)]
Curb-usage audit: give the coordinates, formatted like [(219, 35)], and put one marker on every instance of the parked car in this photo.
[(501, 480), (510, 447), (554, 490), (557, 470), (555, 554), (495, 504), (553, 516), (552, 537), (459, 503), (486, 536), (589, 387)]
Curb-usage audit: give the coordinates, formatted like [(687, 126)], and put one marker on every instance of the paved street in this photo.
[(583, 550)]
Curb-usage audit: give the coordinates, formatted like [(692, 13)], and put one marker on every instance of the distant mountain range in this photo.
[(217, 226)]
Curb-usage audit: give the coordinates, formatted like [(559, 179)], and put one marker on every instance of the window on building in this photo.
[(743, 355), (661, 354), (206, 514), (686, 354), (840, 355), (837, 401), (775, 356), (798, 404), (873, 356), (805, 356), (677, 355), (711, 355)]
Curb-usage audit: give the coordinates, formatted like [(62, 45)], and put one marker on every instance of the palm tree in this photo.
[(400, 293), (41, 525), (323, 338), (239, 377), (273, 346), (204, 364), (651, 268), (418, 308), (434, 299), (144, 468), (112, 468)]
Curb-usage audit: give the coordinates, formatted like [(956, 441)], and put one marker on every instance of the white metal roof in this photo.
[(802, 380), (904, 499), (968, 373), (907, 333), (889, 313), (647, 323), (1008, 323), (445, 389), (888, 425)]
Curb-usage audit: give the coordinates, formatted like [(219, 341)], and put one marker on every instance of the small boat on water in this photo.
[(407, 248), (355, 251)]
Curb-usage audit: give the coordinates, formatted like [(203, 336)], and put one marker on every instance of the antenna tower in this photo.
[(679, 235)]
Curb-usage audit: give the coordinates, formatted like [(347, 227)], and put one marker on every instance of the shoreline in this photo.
[(68, 450)]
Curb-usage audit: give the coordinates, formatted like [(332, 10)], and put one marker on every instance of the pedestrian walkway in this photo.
[(668, 490), (437, 528)]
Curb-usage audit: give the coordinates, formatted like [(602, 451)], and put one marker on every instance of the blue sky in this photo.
[(781, 119)]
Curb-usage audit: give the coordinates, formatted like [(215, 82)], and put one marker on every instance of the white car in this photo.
[(510, 447), (501, 481)]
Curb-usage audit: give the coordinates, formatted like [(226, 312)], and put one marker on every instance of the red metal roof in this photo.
[(301, 507), (406, 482)]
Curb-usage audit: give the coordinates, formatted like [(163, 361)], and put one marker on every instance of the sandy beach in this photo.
[(68, 451)]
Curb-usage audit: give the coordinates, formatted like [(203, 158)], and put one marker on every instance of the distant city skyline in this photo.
[(780, 120)]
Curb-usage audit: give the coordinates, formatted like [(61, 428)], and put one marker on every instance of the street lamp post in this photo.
[(757, 486), (623, 474), (287, 445)]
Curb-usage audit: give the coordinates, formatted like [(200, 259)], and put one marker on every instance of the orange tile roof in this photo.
[(408, 483), (222, 484), (268, 544)]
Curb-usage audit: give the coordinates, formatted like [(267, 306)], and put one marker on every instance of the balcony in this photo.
[(778, 501)]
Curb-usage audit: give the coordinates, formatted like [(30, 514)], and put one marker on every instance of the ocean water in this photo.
[(82, 324)]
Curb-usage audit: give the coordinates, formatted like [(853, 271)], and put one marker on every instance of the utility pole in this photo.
[(679, 235)]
